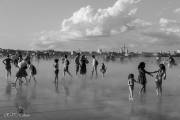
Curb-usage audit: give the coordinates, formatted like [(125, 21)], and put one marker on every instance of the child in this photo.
[(94, 65), (56, 69), (66, 66), (131, 81), (161, 74), (33, 71), (142, 76), (103, 69)]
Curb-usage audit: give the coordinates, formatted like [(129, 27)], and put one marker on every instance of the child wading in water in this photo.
[(33, 71), (103, 69), (131, 81), (142, 76), (161, 74), (56, 69)]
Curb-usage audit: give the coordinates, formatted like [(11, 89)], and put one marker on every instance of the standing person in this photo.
[(94, 65), (103, 69), (142, 76), (56, 69), (7, 62), (131, 81), (77, 62), (161, 74), (22, 65), (83, 63), (33, 71), (66, 66)]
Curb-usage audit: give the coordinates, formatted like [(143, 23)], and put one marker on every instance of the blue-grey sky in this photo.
[(150, 25)]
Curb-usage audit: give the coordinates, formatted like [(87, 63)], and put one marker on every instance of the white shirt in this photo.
[(93, 62)]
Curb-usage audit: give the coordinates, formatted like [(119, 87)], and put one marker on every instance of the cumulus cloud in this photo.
[(168, 23), (177, 10), (169, 26), (163, 38), (88, 22)]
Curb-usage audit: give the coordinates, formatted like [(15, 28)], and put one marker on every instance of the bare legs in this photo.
[(94, 69)]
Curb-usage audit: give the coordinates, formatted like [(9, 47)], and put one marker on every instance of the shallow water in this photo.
[(90, 99)]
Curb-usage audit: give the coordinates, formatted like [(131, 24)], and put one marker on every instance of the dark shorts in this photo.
[(8, 68), (103, 71), (56, 71)]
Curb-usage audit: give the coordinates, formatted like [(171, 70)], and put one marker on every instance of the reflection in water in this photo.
[(65, 83), (21, 99), (56, 84), (8, 90), (34, 91)]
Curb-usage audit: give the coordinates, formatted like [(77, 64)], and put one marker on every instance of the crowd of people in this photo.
[(81, 61), (24, 63)]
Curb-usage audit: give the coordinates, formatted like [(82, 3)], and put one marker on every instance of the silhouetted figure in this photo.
[(56, 69), (103, 69), (142, 76), (94, 66), (77, 62), (66, 66), (7, 62), (83, 62)]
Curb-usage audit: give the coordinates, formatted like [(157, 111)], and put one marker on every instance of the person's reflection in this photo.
[(65, 85), (159, 108), (132, 110), (21, 99), (56, 84), (8, 90), (34, 91)]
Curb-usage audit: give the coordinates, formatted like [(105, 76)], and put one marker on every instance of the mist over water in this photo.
[(102, 98)]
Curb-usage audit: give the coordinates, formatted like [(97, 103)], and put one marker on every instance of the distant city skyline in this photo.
[(143, 25)]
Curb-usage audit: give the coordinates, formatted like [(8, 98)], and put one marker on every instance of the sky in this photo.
[(142, 25)]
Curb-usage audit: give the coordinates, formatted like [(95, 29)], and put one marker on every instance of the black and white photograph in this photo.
[(89, 59)]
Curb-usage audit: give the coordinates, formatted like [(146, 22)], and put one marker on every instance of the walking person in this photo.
[(94, 66), (142, 76), (77, 62), (22, 65), (66, 66), (7, 62), (33, 71)]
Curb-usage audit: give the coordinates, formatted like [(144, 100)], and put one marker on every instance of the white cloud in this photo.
[(88, 22), (169, 26), (177, 10), (168, 22)]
